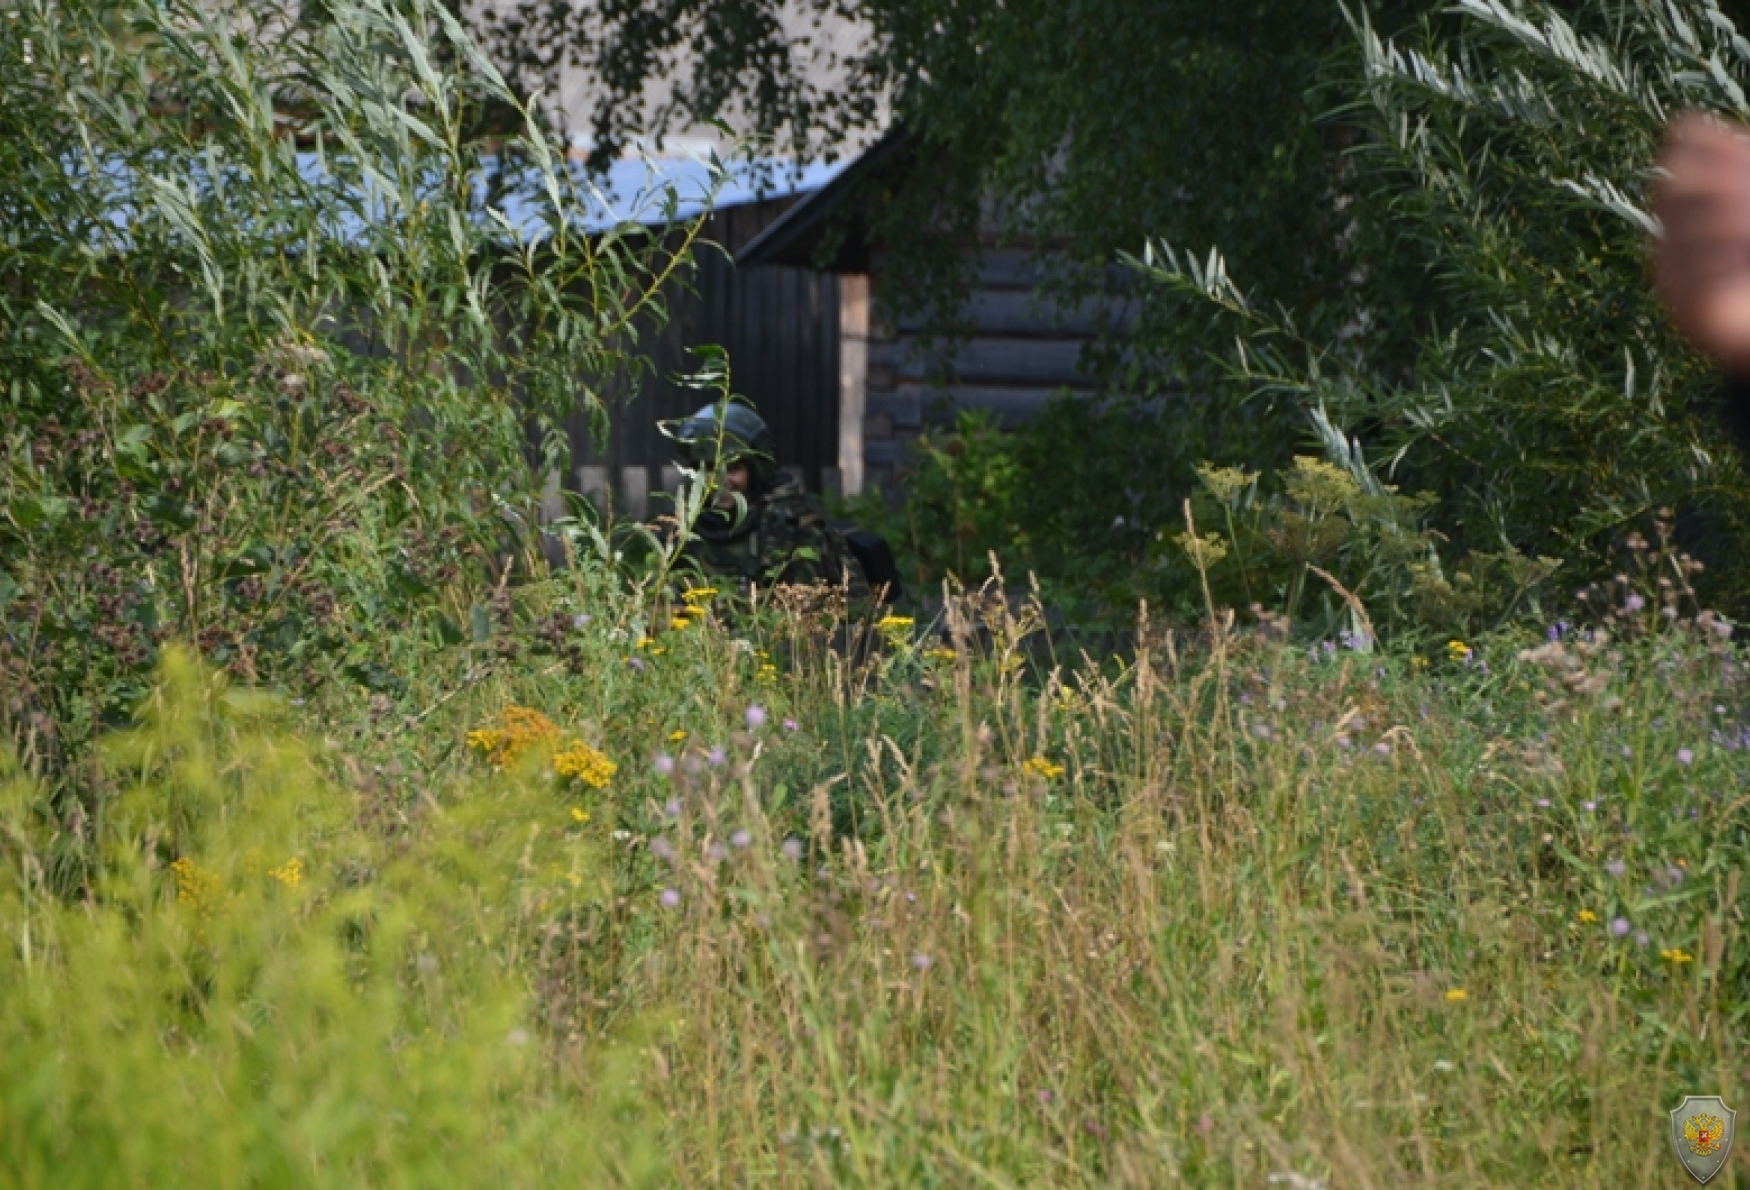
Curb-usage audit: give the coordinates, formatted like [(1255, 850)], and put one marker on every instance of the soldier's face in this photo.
[(737, 480)]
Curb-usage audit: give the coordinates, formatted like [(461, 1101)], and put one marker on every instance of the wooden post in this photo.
[(592, 482), (635, 484), (853, 378)]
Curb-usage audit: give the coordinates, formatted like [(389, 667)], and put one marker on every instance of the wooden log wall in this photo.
[(1023, 350)]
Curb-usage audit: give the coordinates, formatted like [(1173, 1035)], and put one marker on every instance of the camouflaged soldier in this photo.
[(782, 537)]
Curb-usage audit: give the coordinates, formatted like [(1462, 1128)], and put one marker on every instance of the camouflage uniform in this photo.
[(783, 538)]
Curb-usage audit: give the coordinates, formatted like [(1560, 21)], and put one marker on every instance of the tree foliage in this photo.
[(283, 361), (1551, 405)]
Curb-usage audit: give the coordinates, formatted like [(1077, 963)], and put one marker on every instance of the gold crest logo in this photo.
[(1702, 1129)]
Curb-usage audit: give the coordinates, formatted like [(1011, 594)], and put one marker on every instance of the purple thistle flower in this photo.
[(1634, 603), (791, 725), (662, 849), (1543, 803), (740, 839), (716, 756), (672, 807), (1383, 748), (1616, 868), (756, 715), (1589, 807), (1685, 756), (1261, 730), (717, 852), (581, 621), (921, 961), (636, 663), (669, 898), (1620, 927), (1641, 938), (792, 849), (664, 763)]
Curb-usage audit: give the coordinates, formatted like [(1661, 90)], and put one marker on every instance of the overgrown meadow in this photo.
[(705, 906), (349, 840)]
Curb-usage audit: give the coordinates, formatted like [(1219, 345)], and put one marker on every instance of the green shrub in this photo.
[(284, 368), (1552, 409)]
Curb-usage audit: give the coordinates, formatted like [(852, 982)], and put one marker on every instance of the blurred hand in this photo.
[(1701, 265)]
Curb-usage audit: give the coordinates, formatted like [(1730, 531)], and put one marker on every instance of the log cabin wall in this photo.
[(781, 329), (1023, 350)]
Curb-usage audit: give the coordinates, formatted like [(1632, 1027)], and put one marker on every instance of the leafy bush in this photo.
[(1551, 408), (291, 318)]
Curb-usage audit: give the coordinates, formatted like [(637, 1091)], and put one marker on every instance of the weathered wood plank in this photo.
[(989, 361), (1021, 313)]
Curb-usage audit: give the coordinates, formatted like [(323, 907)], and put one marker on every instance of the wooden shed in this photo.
[(781, 328), (1023, 347)]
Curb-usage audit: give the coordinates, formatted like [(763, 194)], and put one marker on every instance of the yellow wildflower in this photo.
[(1458, 650), (675, 737), (940, 654), (1677, 955), (578, 815), (519, 731), (894, 625), (644, 642), (768, 672), (1457, 995), (679, 622), (1587, 917), (1418, 663), (195, 887), (1044, 768), (698, 595), (583, 763), (290, 873)]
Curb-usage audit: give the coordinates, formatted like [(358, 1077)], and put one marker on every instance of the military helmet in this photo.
[(744, 438)]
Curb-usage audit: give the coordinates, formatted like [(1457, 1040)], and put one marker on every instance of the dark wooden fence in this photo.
[(780, 327)]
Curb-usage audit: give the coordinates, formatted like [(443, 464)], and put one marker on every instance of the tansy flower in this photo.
[(195, 886), (675, 737), (894, 626), (583, 763), (1587, 917), (1044, 768), (519, 730), (698, 595), (1458, 650), (579, 815), (1677, 956), (1457, 995), (290, 873), (679, 622), (940, 654)]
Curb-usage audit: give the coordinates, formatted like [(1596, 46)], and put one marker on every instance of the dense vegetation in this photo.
[(348, 842), (1427, 220)]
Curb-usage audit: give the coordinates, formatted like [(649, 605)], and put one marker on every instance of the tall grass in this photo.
[(1228, 912)]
